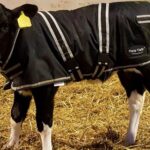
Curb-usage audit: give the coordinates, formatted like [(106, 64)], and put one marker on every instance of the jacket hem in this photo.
[(38, 84)]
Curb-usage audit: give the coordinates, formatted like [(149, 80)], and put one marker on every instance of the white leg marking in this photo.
[(46, 138), (14, 134), (136, 102), (25, 92)]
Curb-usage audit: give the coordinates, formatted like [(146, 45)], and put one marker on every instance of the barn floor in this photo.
[(88, 116)]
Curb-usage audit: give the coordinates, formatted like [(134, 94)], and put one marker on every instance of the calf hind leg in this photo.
[(136, 101), (44, 113), (134, 86), (18, 114)]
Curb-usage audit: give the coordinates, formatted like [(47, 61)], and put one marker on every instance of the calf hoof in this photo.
[(129, 140), (11, 144)]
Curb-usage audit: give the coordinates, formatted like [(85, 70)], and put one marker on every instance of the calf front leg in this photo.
[(136, 102), (18, 114), (44, 113)]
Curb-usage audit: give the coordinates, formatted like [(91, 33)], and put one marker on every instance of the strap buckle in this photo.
[(76, 74), (104, 62), (74, 69)]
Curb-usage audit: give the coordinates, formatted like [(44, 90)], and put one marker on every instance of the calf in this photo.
[(40, 51)]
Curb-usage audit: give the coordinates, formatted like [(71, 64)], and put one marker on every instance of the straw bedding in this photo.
[(88, 116)]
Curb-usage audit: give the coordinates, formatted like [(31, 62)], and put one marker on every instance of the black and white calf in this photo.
[(40, 51)]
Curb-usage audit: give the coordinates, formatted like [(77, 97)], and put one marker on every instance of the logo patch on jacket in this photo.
[(137, 50)]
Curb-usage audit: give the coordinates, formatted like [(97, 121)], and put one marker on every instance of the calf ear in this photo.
[(29, 10)]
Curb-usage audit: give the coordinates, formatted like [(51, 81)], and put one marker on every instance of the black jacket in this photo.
[(40, 60)]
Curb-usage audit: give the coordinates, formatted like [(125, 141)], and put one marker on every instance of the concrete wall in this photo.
[(52, 4)]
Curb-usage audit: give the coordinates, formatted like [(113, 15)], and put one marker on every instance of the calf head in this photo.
[(9, 26)]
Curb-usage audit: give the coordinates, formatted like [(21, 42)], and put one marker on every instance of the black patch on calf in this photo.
[(44, 100), (29, 10), (20, 107), (145, 70), (132, 81)]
